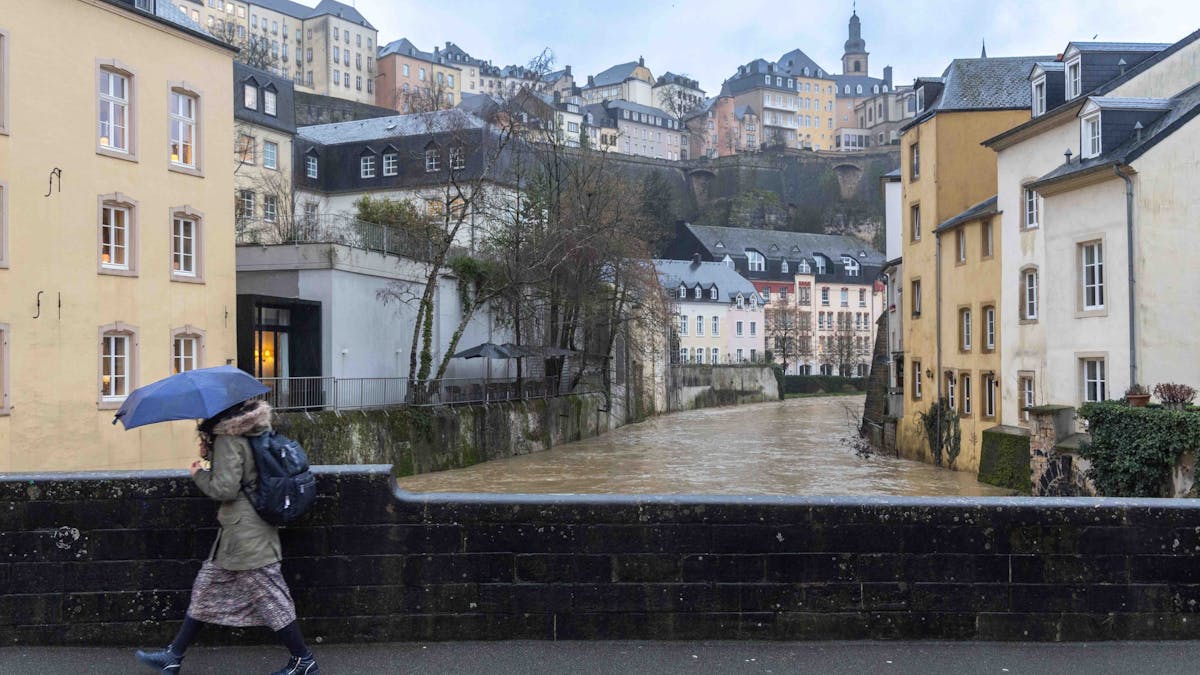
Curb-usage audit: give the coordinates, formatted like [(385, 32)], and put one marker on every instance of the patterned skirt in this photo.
[(257, 597)]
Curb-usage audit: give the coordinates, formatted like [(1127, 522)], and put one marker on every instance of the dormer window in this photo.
[(755, 261), (783, 267), (728, 261), (820, 260), (767, 79), (1074, 79), (1039, 96), (920, 100), (712, 294), (803, 267), (740, 301), (250, 96), (1090, 138), (682, 292), (699, 293), (851, 266)]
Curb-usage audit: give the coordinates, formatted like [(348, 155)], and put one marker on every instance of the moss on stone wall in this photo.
[(1004, 459)]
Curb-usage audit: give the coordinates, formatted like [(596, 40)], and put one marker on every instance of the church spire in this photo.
[(854, 60), (983, 51)]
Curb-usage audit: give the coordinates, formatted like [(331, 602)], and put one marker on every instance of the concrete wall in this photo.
[(110, 558), (693, 387)]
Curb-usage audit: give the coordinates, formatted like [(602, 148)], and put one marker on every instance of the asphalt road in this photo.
[(524, 658)]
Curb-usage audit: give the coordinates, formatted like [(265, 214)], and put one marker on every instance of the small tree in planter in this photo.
[(942, 432), (1174, 396), (1137, 395)]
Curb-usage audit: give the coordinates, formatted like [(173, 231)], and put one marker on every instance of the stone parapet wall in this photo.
[(109, 559)]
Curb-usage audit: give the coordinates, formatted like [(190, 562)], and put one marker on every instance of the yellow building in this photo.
[(947, 180), (116, 228), (411, 80)]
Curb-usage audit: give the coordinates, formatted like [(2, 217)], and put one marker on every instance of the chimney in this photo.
[(887, 76), (641, 61), (567, 70), (695, 260), (591, 81), (447, 45)]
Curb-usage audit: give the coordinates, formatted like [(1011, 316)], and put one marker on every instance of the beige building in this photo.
[(630, 82), (264, 127), (122, 272), (790, 100), (411, 80), (224, 17)]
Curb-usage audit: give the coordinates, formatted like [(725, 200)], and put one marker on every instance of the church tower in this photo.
[(854, 61)]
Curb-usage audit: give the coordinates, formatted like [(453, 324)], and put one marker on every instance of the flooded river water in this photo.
[(792, 447)]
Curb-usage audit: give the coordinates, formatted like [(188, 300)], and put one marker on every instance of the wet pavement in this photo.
[(795, 447)]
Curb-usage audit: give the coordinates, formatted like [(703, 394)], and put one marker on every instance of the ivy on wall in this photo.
[(1133, 450)]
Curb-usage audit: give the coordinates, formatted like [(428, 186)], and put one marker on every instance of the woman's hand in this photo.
[(196, 466)]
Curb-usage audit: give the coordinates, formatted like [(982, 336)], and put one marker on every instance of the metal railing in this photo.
[(332, 228), (369, 393)]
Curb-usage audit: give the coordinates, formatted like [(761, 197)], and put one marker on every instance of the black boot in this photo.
[(300, 666), (164, 661)]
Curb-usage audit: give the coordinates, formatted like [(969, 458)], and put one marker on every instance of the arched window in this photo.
[(682, 292), (851, 266), (712, 295), (858, 89), (783, 267), (803, 267), (847, 89), (728, 261), (820, 261), (755, 261), (858, 66)]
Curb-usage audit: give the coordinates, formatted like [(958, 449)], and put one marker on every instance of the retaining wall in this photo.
[(109, 558)]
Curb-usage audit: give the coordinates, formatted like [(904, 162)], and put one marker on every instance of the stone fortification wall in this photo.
[(109, 559), (694, 387)]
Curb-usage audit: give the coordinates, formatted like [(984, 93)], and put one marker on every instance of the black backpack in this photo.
[(286, 487)]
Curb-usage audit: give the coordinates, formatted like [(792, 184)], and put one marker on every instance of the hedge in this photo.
[(1004, 460), (823, 384), (1133, 450)]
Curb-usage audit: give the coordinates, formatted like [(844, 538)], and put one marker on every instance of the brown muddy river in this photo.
[(792, 447)]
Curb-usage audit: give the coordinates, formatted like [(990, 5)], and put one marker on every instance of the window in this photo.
[(245, 149), (683, 354), (845, 297), (1092, 265), (683, 292), (114, 119), (1095, 387), (914, 169), (3, 104), (245, 205), (366, 166), (183, 130), (683, 325), (421, 74), (405, 69), (738, 330), (851, 266), (803, 267), (966, 393), (270, 208), (753, 328), (116, 237), (1027, 397), (118, 369), (712, 293), (716, 326), (270, 105), (310, 166), (1031, 209), (755, 261), (185, 243), (250, 96), (1029, 299), (783, 267), (337, 77), (805, 295), (964, 337), (433, 160), (950, 393), (985, 239), (699, 325), (1073, 80), (5, 406), (915, 222), (916, 298), (458, 157), (1039, 96), (989, 328), (766, 293), (825, 296), (740, 357), (716, 356), (3, 228), (916, 379), (270, 155), (862, 297), (1091, 140), (989, 395), (391, 161)]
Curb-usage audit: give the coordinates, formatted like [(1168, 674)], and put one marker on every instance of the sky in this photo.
[(708, 39)]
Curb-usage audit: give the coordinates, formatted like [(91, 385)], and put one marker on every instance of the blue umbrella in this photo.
[(191, 395)]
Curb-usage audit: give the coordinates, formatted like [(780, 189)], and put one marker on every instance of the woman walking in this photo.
[(241, 583)]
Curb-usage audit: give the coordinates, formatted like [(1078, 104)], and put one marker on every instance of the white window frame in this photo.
[(989, 328), (682, 294), (366, 166), (108, 238), (1092, 289), (699, 324), (433, 160), (755, 262), (311, 165), (247, 202), (270, 101), (1094, 378), (965, 328), (753, 328), (1029, 295), (117, 372), (1038, 87), (739, 329), (250, 96), (716, 326), (916, 372), (183, 115), (966, 393), (1027, 393), (1091, 139), (1032, 209), (270, 208), (181, 339), (110, 102), (391, 163), (714, 356), (1073, 76), (683, 351), (683, 324), (270, 155), (950, 398), (185, 246)]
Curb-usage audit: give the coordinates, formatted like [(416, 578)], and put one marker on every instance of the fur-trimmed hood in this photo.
[(253, 421)]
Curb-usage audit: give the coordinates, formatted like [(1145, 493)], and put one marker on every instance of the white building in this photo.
[(718, 314)]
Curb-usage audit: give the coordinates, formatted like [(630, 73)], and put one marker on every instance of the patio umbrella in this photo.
[(487, 350), (517, 351), (191, 395)]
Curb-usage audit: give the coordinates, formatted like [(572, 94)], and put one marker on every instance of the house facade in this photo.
[(121, 273), (718, 316), (825, 286), (632, 82), (411, 80), (793, 100), (641, 130), (945, 173), (1093, 316), (264, 128)]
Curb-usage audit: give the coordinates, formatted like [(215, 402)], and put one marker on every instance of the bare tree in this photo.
[(847, 350), (271, 192), (253, 50), (789, 333)]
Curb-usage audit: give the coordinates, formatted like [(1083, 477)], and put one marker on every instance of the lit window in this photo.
[(115, 225), (118, 364), (366, 166), (1092, 263), (391, 162), (270, 155), (114, 111), (183, 130)]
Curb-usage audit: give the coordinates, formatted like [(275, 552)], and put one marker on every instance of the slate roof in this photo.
[(854, 81), (615, 75), (795, 61), (741, 111), (389, 127), (173, 17), (1050, 66), (1183, 108), (1120, 46), (404, 47), (342, 11), (673, 273), (737, 240), (285, 107), (994, 83), (292, 9), (983, 209), (1116, 103), (638, 107), (600, 116)]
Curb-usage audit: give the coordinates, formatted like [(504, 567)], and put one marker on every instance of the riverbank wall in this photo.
[(110, 558), (418, 440)]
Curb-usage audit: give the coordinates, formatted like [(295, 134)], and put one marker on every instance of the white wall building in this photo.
[(718, 315)]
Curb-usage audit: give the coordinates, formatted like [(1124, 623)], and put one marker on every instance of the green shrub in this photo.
[(827, 384), (1133, 450), (1004, 460), (942, 431)]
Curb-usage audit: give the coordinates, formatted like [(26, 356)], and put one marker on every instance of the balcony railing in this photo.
[(370, 393), (335, 229)]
